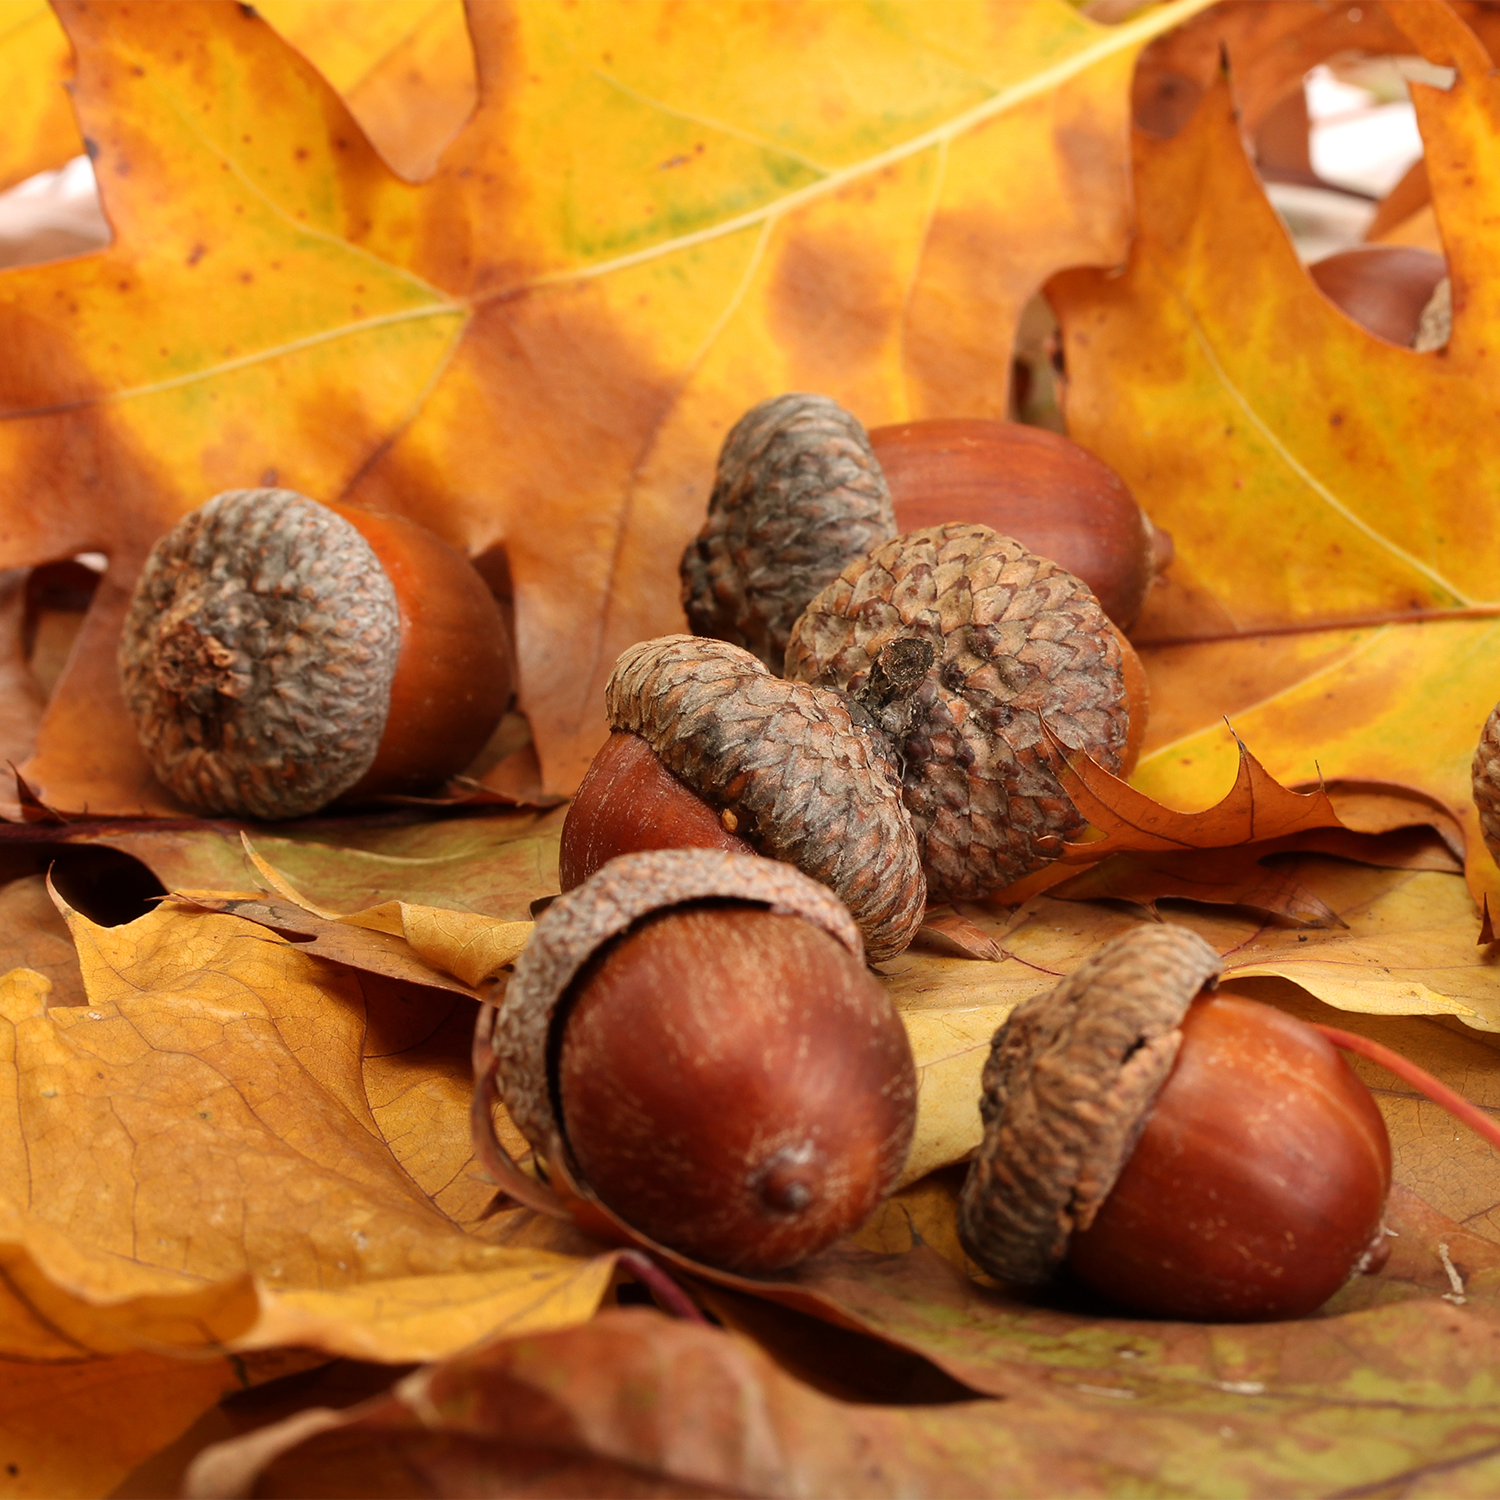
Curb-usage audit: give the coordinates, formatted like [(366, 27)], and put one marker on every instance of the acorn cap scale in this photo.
[(258, 655), (807, 783), (1069, 1081), (1017, 640), (797, 495)]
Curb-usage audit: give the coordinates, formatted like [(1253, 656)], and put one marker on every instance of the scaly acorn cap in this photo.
[(1486, 775), (1070, 1080), (258, 655), (1018, 640), (798, 495), (606, 905), (807, 783)]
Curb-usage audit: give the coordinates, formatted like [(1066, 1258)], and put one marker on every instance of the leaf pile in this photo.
[(518, 290)]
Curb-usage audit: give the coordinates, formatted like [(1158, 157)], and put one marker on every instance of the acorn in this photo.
[(710, 749), (797, 495), (1485, 777), (693, 1035), (279, 653), (1385, 288), (1016, 642), (1182, 1154), (1052, 496)]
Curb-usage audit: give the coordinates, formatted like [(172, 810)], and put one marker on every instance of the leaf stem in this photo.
[(1419, 1078)]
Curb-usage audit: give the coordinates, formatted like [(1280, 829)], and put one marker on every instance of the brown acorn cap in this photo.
[(258, 655), (797, 496), (1070, 1080), (1486, 774), (807, 783), (1018, 639), (606, 905)]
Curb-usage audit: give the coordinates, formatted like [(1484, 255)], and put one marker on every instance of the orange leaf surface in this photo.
[(1334, 520), (639, 233)]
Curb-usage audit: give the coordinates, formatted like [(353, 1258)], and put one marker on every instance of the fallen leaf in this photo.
[(202, 1162), (532, 343), (634, 1403), (404, 67), (1336, 596)]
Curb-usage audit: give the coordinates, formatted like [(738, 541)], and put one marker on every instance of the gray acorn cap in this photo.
[(607, 904), (806, 783), (798, 495), (1070, 1081), (1017, 640), (258, 655)]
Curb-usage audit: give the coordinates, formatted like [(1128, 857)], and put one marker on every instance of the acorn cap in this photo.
[(606, 905), (1017, 639), (258, 655), (798, 495), (1070, 1080), (807, 783), (1486, 774)]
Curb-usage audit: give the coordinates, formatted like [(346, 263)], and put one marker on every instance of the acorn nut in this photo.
[(1183, 1154), (1052, 496), (710, 749), (694, 1034), (279, 654)]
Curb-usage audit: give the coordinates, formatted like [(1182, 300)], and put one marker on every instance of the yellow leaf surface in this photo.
[(641, 231), (1334, 513), (469, 945), (404, 67), (200, 1156)]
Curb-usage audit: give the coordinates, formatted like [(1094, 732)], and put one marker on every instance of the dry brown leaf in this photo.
[(636, 1404)]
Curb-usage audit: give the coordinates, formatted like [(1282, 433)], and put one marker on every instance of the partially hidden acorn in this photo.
[(280, 653), (1017, 642), (1054, 497), (708, 748), (1389, 290), (1485, 779), (693, 1035), (1183, 1154), (797, 495)]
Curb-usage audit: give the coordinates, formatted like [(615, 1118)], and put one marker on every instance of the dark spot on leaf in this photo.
[(1336, 420), (196, 254), (300, 153), (268, 479)]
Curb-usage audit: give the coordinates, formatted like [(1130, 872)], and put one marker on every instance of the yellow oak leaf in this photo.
[(1333, 508), (641, 231)]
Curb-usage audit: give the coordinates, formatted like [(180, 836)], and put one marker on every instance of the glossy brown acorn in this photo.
[(1384, 288), (1258, 1183), (280, 653), (629, 801), (1183, 1154), (692, 1039), (736, 1084), (1048, 493)]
